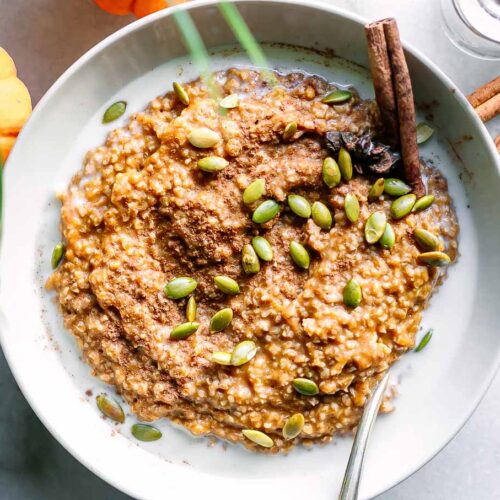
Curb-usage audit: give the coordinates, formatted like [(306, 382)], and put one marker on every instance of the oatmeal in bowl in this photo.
[(250, 268)]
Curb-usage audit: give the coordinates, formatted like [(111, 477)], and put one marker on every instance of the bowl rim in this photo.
[(114, 478)]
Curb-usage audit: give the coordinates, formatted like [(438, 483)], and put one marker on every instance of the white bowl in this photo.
[(439, 387)]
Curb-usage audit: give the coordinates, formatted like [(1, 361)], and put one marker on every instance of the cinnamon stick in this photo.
[(406, 108), (489, 109), (382, 81), (485, 92)]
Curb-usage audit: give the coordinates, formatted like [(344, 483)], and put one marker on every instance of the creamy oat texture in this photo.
[(140, 213)]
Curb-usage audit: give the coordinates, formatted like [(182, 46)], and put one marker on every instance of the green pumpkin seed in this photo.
[(258, 437), (243, 353), (212, 163), (293, 426), (221, 358), (110, 408), (330, 172), (249, 260), (144, 432), (178, 288), (396, 187), (290, 131), (434, 259), (423, 203), (114, 111), (230, 101), (376, 190), (321, 215), (181, 93), (424, 132), (254, 191), (299, 255), (299, 206), (305, 386), (57, 254), (191, 309), (402, 206), (388, 238), (184, 330), (221, 319), (427, 241), (352, 294), (266, 211), (227, 285), (375, 227), (262, 248), (351, 207), (345, 164), (203, 138), (425, 340), (337, 97)]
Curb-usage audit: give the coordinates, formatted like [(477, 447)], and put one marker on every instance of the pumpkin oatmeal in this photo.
[(256, 285)]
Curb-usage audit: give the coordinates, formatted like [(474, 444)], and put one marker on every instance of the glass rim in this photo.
[(470, 26)]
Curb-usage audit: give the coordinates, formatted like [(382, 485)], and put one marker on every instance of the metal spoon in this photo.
[(352, 476)]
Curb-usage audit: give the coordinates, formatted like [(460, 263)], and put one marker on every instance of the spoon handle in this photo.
[(350, 485)]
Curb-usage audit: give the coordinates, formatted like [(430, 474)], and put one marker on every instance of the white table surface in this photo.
[(45, 37)]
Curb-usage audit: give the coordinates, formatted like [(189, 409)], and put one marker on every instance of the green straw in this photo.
[(199, 53), (196, 47), (243, 34)]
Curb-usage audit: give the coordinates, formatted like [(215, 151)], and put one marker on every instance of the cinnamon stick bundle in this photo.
[(485, 92), (394, 95), (486, 100)]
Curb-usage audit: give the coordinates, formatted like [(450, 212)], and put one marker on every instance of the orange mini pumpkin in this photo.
[(117, 7), (139, 8), (15, 103), (144, 7)]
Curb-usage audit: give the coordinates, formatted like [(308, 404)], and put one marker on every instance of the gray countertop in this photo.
[(44, 37)]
